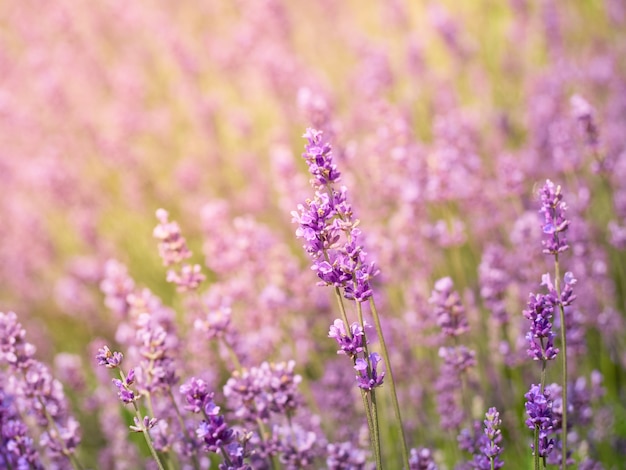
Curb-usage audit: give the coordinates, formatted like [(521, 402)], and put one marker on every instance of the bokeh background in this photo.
[(445, 118)]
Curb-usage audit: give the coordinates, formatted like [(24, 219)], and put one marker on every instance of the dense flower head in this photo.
[(494, 280), (157, 370), (296, 447), (491, 448), (585, 115), (448, 308), (117, 285), (172, 245), (555, 224), (110, 360), (197, 396), (124, 390), (187, 279), (19, 447), (369, 377), (345, 456), (257, 392), (349, 343), (327, 225), (422, 459), (14, 349), (319, 157), (459, 358), (541, 336), (539, 408), (214, 433)]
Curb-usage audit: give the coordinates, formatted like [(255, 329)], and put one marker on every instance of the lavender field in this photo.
[(289, 234)]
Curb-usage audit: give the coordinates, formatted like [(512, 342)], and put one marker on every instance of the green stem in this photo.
[(147, 437), (342, 309), (377, 455), (371, 423), (189, 438), (536, 452), (557, 281), (144, 430), (392, 386), (233, 355)]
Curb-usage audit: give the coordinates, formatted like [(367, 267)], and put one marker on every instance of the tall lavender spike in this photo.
[(39, 393), (554, 227)]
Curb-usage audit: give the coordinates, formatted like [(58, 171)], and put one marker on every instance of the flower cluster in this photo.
[(257, 392), (539, 408), (33, 392), (327, 225), (555, 224), (350, 344), (369, 377), (173, 251), (344, 455), (422, 459), (540, 336), (448, 308)]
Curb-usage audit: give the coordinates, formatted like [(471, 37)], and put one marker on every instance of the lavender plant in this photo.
[(442, 117), (327, 225)]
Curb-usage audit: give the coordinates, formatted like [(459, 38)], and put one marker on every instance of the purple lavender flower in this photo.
[(14, 349), (584, 113), (43, 395), (318, 155), (541, 337), (349, 344), (142, 424), (369, 379), (257, 392), (214, 433), (555, 224), (540, 416), (172, 245), (344, 456), (110, 360), (19, 447), (490, 448), (124, 392), (422, 459), (448, 308), (157, 371), (295, 446), (197, 395), (329, 229)]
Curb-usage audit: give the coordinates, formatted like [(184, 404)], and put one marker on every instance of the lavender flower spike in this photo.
[(491, 449), (368, 380), (351, 344), (319, 158), (555, 224)]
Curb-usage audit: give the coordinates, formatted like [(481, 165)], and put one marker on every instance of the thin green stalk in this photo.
[(233, 355), (557, 279), (392, 386), (371, 423), (342, 309), (147, 437), (378, 456), (194, 459), (144, 430)]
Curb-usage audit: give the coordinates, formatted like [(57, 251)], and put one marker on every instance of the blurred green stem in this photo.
[(557, 283), (392, 385)]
